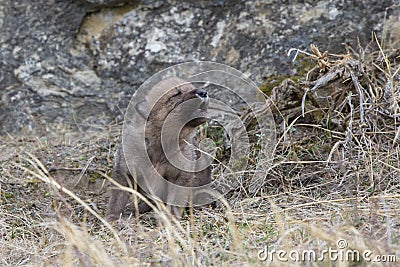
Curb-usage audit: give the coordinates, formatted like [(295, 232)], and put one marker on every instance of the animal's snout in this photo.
[(201, 93)]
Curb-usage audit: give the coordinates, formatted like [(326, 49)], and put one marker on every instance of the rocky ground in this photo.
[(79, 62)]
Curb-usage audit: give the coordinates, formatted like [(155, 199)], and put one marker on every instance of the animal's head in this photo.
[(177, 101)]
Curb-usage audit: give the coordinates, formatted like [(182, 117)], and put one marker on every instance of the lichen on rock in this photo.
[(59, 56)]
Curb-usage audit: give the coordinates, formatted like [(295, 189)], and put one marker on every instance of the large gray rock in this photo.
[(61, 64)]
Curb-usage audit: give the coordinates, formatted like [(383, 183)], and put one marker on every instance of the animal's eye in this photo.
[(177, 93)]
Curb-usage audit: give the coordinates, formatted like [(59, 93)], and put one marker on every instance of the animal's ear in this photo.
[(143, 109)]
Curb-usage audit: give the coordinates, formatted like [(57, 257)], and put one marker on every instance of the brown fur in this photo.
[(167, 105)]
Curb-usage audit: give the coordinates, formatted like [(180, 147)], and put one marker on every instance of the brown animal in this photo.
[(172, 110)]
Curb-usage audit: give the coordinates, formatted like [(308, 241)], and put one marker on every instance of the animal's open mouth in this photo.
[(203, 106), (199, 113), (202, 95)]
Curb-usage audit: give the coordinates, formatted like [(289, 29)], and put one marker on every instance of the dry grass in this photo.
[(335, 176)]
